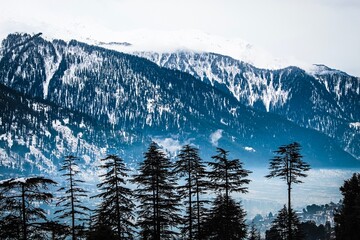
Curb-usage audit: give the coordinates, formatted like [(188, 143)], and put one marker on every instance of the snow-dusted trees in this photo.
[(21, 214), (158, 200), (116, 208)]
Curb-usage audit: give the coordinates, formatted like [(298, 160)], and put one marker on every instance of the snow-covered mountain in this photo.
[(329, 99), (321, 98), (69, 97)]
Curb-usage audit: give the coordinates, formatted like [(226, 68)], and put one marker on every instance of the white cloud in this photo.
[(171, 145), (215, 137), (328, 34)]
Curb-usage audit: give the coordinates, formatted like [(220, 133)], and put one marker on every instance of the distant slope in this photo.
[(59, 98), (326, 100)]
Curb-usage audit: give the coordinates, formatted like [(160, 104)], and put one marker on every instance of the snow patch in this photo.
[(150, 105), (7, 137), (355, 125), (82, 124), (112, 118), (215, 137), (171, 145), (249, 149), (50, 68), (41, 161), (14, 180), (222, 121), (47, 133), (68, 136), (87, 159)]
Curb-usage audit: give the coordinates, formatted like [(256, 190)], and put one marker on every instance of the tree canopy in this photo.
[(347, 218)]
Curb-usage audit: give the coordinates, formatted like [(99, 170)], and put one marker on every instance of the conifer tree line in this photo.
[(183, 199)]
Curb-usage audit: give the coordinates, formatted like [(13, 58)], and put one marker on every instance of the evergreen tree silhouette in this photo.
[(56, 230), (226, 220), (21, 215), (191, 167), (311, 231), (288, 166), (158, 200), (347, 218), (280, 228), (102, 232), (254, 233), (70, 203), (227, 175), (116, 208)]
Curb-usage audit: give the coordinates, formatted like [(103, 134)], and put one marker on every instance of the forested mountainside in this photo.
[(324, 99), (69, 97)]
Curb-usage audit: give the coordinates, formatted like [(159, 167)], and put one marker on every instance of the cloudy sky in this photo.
[(313, 31)]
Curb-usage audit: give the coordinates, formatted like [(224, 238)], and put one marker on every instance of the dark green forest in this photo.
[(188, 198)]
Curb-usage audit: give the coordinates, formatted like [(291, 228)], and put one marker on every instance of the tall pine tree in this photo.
[(347, 219), (158, 200), (254, 233), (116, 208), (71, 202), (288, 166), (21, 216), (191, 167), (227, 176)]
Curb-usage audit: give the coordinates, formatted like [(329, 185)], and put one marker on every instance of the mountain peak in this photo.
[(192, 40), (321, 69)]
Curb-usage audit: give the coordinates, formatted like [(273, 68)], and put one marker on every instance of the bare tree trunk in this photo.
[(289, 212), (23, 208)]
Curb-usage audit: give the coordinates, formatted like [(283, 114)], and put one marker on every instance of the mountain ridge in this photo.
[(129, 101), (327, 101)]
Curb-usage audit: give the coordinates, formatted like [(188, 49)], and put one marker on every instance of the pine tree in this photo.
[(288, 166), (347, 218), (226, 220), (280, 229), (228, 175), (56, 230), (70, 203), (21, 217), (158, 201), (190, 166), (116, 208), (311, 231), (254, 233)]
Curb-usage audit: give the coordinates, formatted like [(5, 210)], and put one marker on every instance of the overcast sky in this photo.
[(313, 31)]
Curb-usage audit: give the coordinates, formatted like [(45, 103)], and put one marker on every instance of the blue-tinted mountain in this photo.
[(60, 98), (325, 99)]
